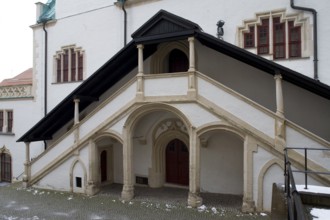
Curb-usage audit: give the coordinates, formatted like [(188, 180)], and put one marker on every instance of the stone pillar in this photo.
[(140, 87), (128, 188), (27, 174), (194, 199), (93, 170), (250, 146), (76, 111), (191, 54), (280, 142)]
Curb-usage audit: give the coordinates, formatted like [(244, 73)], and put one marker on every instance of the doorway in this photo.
[(5, 164), (177, 163), (104, 176)]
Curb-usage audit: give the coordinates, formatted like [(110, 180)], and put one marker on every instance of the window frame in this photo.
[(264, 26), (291, 28), (6, 121), (279, 26), (249, 36), (69, 64)]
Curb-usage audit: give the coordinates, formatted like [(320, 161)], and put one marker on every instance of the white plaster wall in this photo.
[(166, 86), (108, 110), (142, 158), (222, 164), (118, 163), (23, 110), (59, 178), (294, 138), (237, 107), (52, 154), (197, 115)]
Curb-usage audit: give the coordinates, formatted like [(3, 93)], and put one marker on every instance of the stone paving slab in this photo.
[(160, 204)]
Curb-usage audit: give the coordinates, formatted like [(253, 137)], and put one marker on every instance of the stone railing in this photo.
[(19, 91)]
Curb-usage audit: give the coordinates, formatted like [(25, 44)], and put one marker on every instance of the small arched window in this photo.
[(178, 61)]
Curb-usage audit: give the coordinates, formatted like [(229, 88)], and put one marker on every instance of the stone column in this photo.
[(27, 174), (191, 54), (140, 87), (76, 111), (280, 142), (250, 146), (194, 199), (93, 170), (128, 188)]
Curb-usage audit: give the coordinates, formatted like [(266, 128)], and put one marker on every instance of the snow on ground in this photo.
[(313, 189), (320, 214)]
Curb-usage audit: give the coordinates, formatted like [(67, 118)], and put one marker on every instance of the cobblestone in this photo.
[(161, 204)]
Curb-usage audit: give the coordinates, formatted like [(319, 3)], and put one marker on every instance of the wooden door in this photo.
[(177, 163), (103, 161), (5, 167)]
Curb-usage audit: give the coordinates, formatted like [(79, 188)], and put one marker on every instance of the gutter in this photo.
[(314, 34), (122, 2), (45, 67)]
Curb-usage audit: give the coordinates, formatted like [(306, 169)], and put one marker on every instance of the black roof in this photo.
[(162, 27)]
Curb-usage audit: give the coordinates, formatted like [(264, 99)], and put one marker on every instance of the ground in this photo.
[(165, 203)]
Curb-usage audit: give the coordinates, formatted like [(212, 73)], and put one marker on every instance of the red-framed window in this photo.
[(1, 121), (5, 164), (278, 38), (249, 38), (69, 65), (10, 120), (263, 37), (294, 40)]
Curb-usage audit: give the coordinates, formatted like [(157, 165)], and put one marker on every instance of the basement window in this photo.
[(78, 182), (141, 180)]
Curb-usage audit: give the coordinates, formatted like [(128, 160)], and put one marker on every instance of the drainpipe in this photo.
[(314, 34), (45, 67), (125, 20)]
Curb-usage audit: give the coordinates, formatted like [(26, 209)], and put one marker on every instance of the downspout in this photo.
[(314, 35), (125, 20), (45, 67)]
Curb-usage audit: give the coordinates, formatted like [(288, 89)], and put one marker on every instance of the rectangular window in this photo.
[(66, 66), (73, 65), (263, 37), (78, 182), (249, 38), (294, 40), (1, 121), (69, 65), (278, 38), (9, 121)]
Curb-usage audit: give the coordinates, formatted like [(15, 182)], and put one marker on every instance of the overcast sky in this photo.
[(16, 17)]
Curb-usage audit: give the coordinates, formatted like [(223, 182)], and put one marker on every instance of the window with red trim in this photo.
[(249, 38), (1, 121), (263, 37), (69, 65), (9, 121), (294, 40), (278, 38)]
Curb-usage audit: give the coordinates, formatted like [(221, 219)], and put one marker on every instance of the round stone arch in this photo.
[(113, 166), (263, 171), (158, 170), (220, 126), (128, 130), (158, 61)]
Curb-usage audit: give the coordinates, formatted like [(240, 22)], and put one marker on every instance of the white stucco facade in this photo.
[(226, 112)]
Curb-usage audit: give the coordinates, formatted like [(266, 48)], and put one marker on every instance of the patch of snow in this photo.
[(94, 216), (202, 208), (313, 189), (263, 214), (70, 197), (320, 214), (214, 210)]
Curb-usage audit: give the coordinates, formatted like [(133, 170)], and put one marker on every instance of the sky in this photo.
[(16, 38)]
